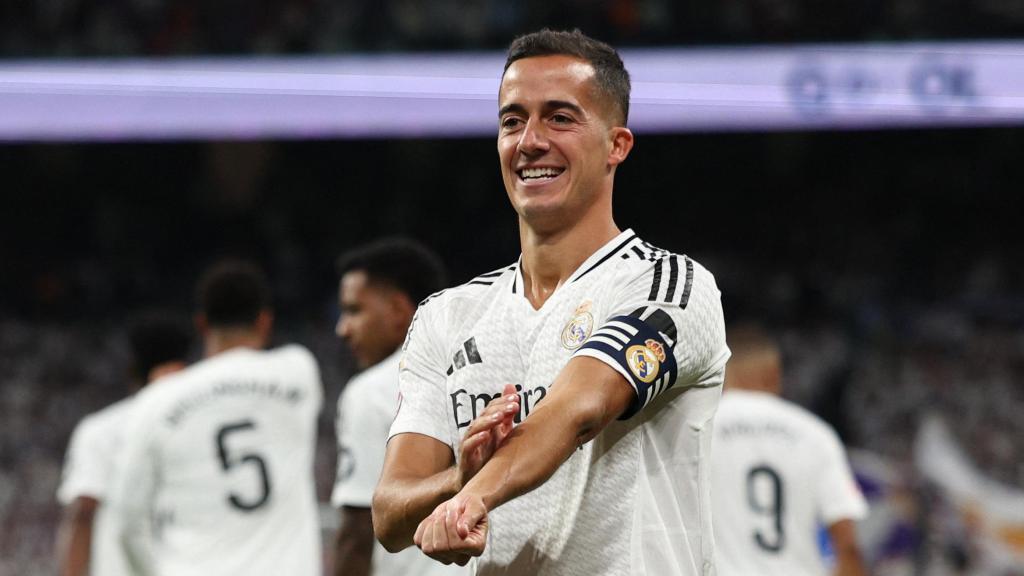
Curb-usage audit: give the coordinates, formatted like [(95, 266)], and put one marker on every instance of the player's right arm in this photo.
[(420, 472), (84, 483), (74, 537), (420, 469), (840, 504), (353, 548)]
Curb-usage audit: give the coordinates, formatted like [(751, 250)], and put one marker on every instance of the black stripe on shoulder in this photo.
[(494, 273), (685, 299), (607, 256), (432, 296), (478, 282), (673, 277), (656, 283)]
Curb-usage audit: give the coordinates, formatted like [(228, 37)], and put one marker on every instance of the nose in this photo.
[(533, 140), (343, 328)]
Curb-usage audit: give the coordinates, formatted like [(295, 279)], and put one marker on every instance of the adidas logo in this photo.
[(465, 356)]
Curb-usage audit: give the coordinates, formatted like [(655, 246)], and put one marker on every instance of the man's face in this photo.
[(554, 138), (373, 322)]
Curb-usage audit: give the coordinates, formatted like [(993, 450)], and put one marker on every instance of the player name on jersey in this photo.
[(270, 389)]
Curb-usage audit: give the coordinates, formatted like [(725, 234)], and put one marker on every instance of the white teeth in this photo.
[(540, 172)]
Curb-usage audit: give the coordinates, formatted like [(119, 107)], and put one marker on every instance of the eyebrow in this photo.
[(549, 105)]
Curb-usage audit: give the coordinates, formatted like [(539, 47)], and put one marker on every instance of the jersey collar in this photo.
[(601, 256)]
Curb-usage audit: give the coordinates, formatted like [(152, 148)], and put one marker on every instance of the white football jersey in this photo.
[(88, 471), (366, 409), (216, 474), (780, 472), (635, 499)]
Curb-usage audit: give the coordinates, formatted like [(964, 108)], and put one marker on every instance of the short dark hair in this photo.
[(232, 293), (610, 74), (400, 263), (155, 338)]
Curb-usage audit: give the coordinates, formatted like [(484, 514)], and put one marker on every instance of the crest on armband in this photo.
[(643, 362)]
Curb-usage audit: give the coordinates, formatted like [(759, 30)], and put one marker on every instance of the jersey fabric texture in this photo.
[(780, 472), (366, 409), (88, 472), (216, 474), (635, 499)]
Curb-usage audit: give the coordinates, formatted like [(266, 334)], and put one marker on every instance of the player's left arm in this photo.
[(844, 541), (585, 397)]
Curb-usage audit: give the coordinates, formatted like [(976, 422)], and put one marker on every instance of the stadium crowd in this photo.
[(73, 28)]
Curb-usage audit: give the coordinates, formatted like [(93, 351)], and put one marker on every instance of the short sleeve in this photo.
[(362, 430), (839, 497), (86, 465), (134, 482), (666, 330), (421, 377)]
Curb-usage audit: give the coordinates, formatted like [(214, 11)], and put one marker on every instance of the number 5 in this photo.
[(227, 463)]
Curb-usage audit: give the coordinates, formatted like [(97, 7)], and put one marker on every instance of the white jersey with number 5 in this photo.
[(634, 500), (780, 472), (216, 474)]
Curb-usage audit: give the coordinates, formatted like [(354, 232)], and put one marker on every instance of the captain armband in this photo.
[(639, 352)]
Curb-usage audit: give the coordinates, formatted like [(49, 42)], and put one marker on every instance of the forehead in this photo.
[(546, 78), (353, 283)]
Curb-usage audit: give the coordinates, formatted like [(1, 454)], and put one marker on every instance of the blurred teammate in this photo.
[(216, 474), (606, 352), (779, 473), (380, 286), (86, 543)]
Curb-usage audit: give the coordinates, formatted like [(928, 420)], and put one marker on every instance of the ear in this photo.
[(265, 325), (402, 306), (621, 144), (201, 323)]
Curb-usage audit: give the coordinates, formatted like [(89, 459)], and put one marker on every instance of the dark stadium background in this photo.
[(889, 261)]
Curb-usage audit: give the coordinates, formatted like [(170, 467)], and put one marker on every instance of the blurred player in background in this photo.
[(381, 283), (86, 543), (779, 474), (216, 474), (608, 354)]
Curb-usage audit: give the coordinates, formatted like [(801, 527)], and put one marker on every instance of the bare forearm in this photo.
[(844, 542), (850, 563), (400, 504), (586, 396), (74, 539), (530, 456), (353, 550)]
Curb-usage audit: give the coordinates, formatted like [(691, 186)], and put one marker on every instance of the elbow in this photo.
[(385, 528)]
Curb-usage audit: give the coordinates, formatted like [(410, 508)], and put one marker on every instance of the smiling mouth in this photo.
[(539, 174)]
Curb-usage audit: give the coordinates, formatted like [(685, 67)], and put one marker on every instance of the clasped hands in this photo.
[(457, 529)]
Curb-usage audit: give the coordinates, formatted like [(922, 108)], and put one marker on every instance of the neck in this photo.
[(550, 258), (220, 340)]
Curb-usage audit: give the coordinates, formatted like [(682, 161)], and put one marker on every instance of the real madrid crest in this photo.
[(644, 362), (579, 328)]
